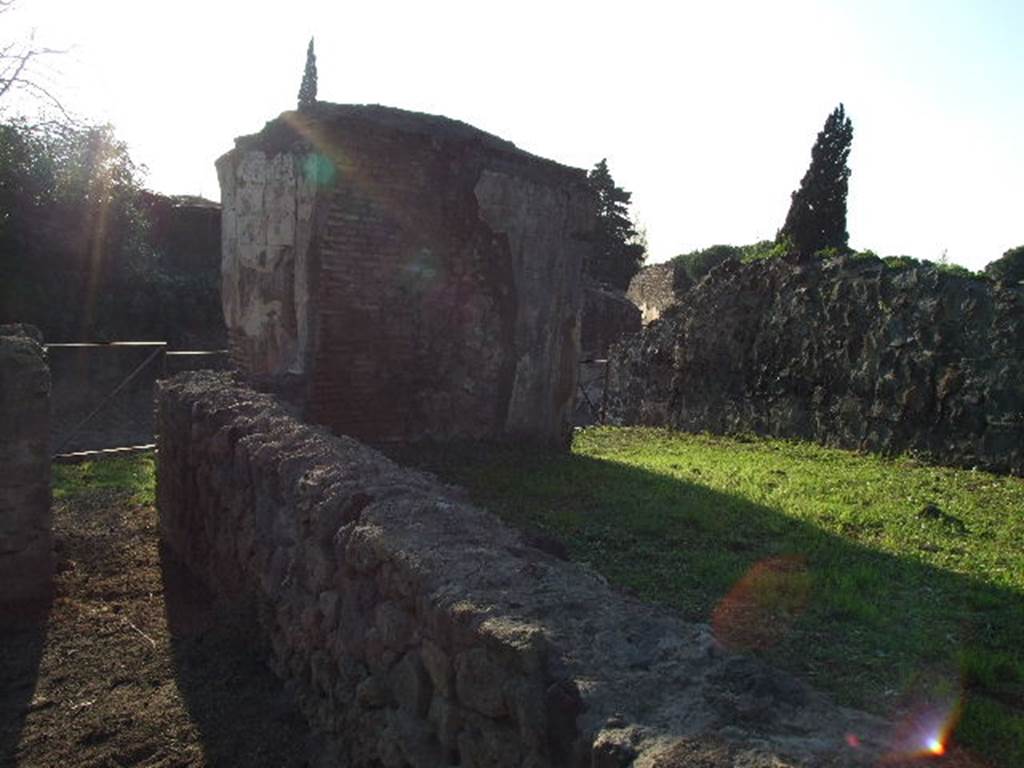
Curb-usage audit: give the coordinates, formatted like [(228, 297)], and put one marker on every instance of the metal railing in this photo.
[(157, 358), (602, 376)]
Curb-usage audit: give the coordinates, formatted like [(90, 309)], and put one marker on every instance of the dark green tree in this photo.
[(307, 91), (817, 215), (619, 249)]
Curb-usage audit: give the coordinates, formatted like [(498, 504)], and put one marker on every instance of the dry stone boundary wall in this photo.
[(417, 630)]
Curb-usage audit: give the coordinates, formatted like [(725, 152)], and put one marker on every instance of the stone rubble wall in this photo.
[(417, 630), (26, 536), (653, 289), (847, 352)]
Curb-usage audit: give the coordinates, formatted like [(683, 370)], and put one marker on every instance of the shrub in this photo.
[(1009, 268)]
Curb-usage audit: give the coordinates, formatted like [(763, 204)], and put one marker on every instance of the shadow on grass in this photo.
[(22, 637), (884, 632), (244, 715)]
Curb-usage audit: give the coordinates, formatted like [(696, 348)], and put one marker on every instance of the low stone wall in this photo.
[(26, 538), (417, 630), (848, 352)]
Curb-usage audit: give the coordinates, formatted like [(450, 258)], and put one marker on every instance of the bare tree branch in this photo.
[(16, 62)]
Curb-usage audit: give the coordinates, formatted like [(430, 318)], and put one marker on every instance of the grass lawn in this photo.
[(892, 584), (133, 478)]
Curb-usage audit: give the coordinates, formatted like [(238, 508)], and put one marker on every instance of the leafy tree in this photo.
[(817, 214), (694, 265), (307, 91), (1009, 268), (619, 248), (75, 246)]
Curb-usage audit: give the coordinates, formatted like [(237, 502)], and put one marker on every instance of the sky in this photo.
[(706, 111)]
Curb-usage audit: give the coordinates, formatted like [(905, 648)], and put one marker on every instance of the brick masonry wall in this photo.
[(417, 630), (26, 538)]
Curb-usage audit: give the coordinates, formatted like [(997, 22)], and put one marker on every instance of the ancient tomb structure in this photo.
[(404, 276), (26, 538)]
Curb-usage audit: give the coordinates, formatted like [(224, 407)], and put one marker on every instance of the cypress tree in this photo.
[(817, 214), (307, 91), (619, 250)]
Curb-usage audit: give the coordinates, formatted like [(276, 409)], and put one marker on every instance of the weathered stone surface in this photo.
[(404, 276), (516, 658), (656, 288), (847, 352), (26, 538)]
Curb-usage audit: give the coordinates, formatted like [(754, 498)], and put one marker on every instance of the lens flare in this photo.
[(319, 169), (925, 732), (762, 606)]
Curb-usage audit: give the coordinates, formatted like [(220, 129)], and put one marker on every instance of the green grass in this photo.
[(884, 581), (130, 476)]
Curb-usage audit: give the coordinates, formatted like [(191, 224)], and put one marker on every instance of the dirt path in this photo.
[(128, 668)]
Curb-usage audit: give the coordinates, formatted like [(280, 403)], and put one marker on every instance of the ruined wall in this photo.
[(653, 290), (847, 352), (417, 630), (408, 276), (26, 538), (266, 226)]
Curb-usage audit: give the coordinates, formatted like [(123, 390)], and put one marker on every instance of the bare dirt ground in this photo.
[(128, 667)]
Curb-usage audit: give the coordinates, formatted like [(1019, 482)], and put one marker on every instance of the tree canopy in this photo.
[(619, 248), (76, 250), (817, 214), (307, 91)]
